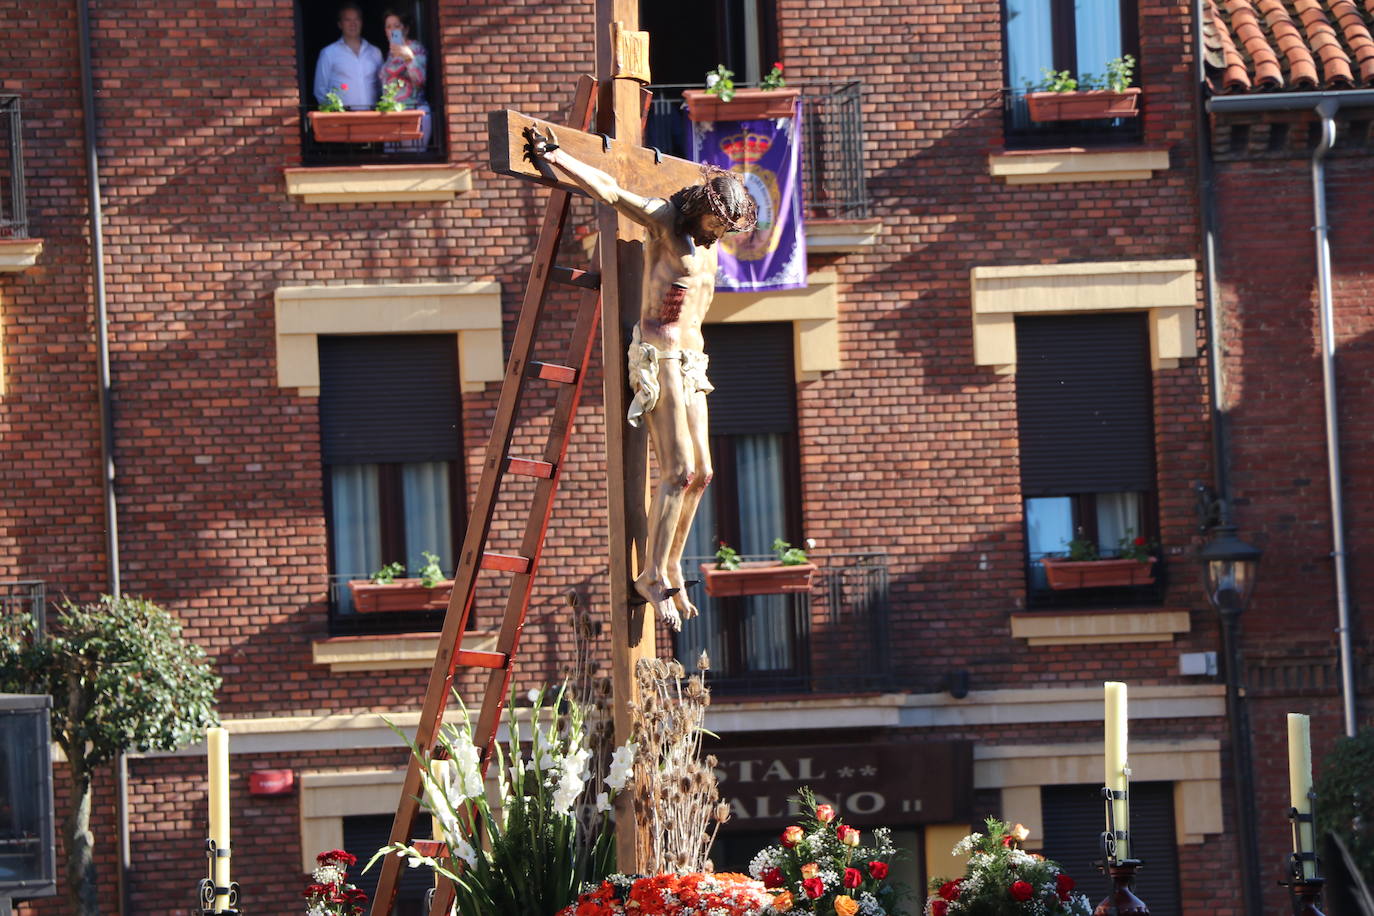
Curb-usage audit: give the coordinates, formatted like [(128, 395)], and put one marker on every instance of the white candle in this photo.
[(217, 744), (1300, 784), (1116, 765)]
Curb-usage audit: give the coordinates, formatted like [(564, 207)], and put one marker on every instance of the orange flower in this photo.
[(825, 813), (845, 906), (783, 902), (810, 870)]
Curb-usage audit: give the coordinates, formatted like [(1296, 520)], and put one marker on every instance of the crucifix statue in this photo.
[(654, 299)]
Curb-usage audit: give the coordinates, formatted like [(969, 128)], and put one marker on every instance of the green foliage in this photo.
[(388, 573), (1119, 70), (787, 554), (1133, 547), (431, 574), (529, 858), (720, 83), (332, 102), (388, 100), (121, 675), (1117, 78), (773, 79), (1083, 549), (1055, 81), (1345, 797), (727, 557)]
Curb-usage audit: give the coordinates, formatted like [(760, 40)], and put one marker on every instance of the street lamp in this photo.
[(1229, 569)]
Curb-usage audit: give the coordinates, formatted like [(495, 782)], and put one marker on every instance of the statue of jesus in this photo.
[(667, 367)]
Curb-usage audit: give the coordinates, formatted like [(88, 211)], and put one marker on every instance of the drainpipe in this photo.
[(107, 461), (1325, 104)]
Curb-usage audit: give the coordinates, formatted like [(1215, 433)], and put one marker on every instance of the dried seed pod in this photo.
[(694, 687), (712, 761), (675, 669), (703, 661)]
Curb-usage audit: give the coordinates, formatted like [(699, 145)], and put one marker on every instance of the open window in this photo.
[(317, 27), (1064, 35)]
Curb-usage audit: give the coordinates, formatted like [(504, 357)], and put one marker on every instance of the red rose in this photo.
[(950, 890), (343, 86), (777, 65), (1007, 841), (878, 870), (792, 836), (853, 877), (848, 835), (814, 887), (773, 878), (1022, 891), (1063, 885), (825, 813), (938, 908)]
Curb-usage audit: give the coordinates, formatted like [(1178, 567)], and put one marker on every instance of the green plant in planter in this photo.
[(720, 83), (1082, 549), (1053, 81), (388, 573), (332, 102), (773, 79), (1117, 78), (787, 554), (727, 557), (431, 574), (388, 100), (1135, 547), (1345, 797)]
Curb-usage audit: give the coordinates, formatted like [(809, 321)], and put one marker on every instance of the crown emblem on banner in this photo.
[(747, 147)]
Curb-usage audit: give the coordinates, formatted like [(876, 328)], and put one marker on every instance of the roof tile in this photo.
[(1271, 45)]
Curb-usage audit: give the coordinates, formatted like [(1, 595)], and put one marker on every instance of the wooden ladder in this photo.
[(521, 372)]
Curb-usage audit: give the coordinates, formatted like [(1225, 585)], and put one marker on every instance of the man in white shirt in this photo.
[(349, 66)]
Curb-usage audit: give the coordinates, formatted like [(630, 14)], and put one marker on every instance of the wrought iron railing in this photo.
[(1020, 132), (833, 181), (315, 153), (14, 217), (24, 598), (797, 643)]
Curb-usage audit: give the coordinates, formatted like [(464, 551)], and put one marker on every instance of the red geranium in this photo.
[(853, 877), (1022, 891), (1139, 542), (814, 887), (878, 870), (950, 890)]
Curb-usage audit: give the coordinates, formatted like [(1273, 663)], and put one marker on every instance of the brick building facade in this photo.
[(236, 251)]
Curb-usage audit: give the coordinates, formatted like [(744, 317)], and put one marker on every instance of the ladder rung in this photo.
[(529, 468), (506, 561), (477, 658), (587, 279), (435, 849), (554, 372)]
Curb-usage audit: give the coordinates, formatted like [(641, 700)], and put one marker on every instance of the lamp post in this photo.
[(1229, 567)]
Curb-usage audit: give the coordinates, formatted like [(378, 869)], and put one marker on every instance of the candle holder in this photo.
[(1122, 901), (1113, 836), (208, 889), (1306, 891)]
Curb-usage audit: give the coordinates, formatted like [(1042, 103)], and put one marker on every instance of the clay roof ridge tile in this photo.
[(1245, 24)]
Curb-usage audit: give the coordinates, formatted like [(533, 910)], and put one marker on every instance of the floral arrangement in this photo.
[(773, 79), (1004, 880), (694, 894), (821, 866), (330, 894)]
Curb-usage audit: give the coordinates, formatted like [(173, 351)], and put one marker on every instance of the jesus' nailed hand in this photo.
[(667, 368)]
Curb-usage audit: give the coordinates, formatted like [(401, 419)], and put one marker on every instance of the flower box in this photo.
[(1064, 574), (747, 105), (757, 577), (367, 126), (401, 595), (1092, 104)]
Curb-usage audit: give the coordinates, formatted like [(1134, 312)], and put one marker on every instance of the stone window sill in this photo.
[(378, 183), (19, 254), (841, 236), (390, 652), (1098, 627), (1059, 166)]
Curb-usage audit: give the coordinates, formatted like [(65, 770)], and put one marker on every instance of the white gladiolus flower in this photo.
[(622, 767), (603, 802), (463, 850)]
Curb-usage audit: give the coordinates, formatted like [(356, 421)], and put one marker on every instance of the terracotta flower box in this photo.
[(1092, 104), (757, 577), (747, 105), (401, 595), (1063, 574), (367, 126)]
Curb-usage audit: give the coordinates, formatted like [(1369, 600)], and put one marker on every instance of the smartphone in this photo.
[(397, 37)]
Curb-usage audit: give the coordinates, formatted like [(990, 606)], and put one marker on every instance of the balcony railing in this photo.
[(833, 184), (14, 217), (831, 639), (21, 599)]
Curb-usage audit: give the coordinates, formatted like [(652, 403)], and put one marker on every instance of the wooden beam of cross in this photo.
[(622, 69)]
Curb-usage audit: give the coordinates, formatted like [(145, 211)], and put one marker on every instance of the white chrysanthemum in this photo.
[(622, 767), (329, 874)]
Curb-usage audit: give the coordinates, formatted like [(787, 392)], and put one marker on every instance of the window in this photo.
[(363, 834), (1085, 422), (755, 641), (317, 28), (390, 431), (1065, 35), (1074, 821)]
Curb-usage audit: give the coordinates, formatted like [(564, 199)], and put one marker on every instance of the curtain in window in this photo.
[(1098, 28), (424, 487), (707, 631), (354, 524), (768, 631), (1118, 515), (1030, 41)]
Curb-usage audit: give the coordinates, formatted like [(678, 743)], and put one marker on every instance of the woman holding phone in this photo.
[(406, 63)]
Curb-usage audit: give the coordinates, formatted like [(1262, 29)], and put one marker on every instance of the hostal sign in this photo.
[(869, 784)]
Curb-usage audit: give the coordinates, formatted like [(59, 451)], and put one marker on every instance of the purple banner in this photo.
[(766, 153)]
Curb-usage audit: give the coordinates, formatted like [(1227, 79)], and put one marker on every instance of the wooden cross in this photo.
[(622, 69)]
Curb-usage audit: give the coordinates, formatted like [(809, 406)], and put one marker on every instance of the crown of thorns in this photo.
[(748, 216)]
